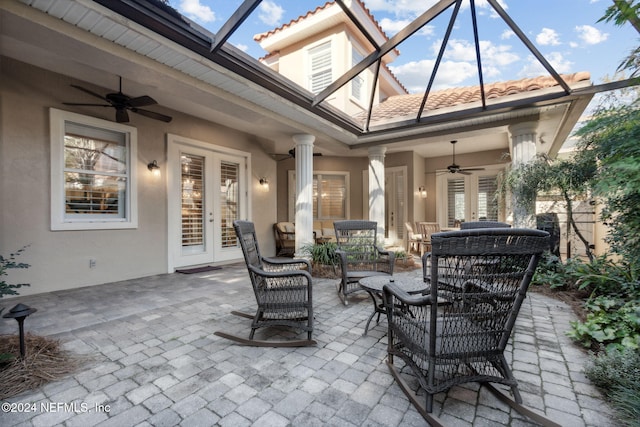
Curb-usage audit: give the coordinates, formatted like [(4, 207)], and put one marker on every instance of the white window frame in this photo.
[(356, 57), (316, 174), (311, 53), (61, 221), (471, 187)]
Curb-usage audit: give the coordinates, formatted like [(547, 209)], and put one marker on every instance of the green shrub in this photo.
[(611, 322), (618, 374), (324, 253)]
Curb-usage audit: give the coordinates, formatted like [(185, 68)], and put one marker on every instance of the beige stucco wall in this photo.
[(60, 259)]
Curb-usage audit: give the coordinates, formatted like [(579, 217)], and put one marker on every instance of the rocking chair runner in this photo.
[(359, 255), (283, 291), (458, 332)]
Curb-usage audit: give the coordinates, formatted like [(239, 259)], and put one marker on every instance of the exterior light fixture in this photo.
[(20, 312), (265, 183), (153, 166), (422, 192)]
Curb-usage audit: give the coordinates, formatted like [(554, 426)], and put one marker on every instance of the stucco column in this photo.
[(523, 150), (376, 188), (304, 190)]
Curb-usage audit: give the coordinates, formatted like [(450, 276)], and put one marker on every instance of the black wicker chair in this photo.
[(483, 224), (359, 255), (283, 291), (457, 333)]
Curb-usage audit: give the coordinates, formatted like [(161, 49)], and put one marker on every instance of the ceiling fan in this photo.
[(292, 154), (122, 103), (454, 168)]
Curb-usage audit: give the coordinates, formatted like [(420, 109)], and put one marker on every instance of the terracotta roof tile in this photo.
[(407, 105)]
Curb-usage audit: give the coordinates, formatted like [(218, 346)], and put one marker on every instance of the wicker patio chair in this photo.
[(483, 224), (359, 255), (283, 291), (457, 332)]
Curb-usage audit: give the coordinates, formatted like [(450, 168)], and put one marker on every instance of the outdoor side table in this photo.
[(374, 284)]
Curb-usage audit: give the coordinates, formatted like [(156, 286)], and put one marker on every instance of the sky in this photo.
[(566, 32)]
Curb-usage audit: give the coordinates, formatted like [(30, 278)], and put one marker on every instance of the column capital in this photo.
[(304, 139), (378, 151), (524, 128)]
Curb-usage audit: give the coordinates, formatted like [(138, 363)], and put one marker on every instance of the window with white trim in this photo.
[(330, 195), (92, 173), (357, 83), (320, 73)]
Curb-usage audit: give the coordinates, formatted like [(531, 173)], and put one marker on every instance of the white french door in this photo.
[(207, 191), (468, 197), (395, 196)]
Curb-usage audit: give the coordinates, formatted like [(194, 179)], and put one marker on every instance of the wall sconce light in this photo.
[(422, 192), (154, 168), (265, 183)]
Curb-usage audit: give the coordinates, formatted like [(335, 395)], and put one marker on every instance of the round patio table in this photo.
[(374, 284)]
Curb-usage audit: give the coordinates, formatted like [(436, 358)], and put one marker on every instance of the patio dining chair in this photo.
[(457, 332), (359, 255), (283, 292)]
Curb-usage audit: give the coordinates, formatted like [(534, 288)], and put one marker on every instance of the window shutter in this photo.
[(455, 201), (487, 206), (192, 208), (321, 74)]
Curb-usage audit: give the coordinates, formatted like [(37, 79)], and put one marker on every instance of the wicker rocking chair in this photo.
[(283, 291), (359, 255), (457, 333)]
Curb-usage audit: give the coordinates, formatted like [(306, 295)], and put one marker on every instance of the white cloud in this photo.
[(391, 27), (195, 10), (243, 47), (507, 34), (591, 35), (547, 37), (534, 68), (415, 75), (492, 56), (270, 13)]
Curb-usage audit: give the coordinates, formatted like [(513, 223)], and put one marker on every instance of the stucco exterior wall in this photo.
[(60, 259)]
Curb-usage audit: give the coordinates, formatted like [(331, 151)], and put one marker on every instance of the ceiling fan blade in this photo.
[(463, 172), (89, 92), (141, 101), (86, 105), (152, 115), (473, 169), (121, 115), (317, 154)]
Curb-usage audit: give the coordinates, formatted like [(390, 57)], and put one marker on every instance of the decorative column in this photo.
[(304, 190), (523, 150), (376, 189)]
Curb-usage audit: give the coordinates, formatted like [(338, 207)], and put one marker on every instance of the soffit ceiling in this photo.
[(95, 44)]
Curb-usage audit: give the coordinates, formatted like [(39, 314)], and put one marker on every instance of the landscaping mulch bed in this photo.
[(44, 361)]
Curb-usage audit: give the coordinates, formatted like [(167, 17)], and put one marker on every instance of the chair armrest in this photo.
[(284, 262), (391, 289), (390, 254), (281, 273)]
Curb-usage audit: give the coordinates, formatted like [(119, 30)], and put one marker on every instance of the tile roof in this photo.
[(259, 37), (408, 105)]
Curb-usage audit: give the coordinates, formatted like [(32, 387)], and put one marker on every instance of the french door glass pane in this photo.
[(455, 202), (192, 179), (229, 196), (487, 206)]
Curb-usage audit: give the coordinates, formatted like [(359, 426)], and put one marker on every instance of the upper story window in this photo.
[(357, 84), (92, 173), (320, 73)]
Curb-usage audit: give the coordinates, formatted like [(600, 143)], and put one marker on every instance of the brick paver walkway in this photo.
[(155, 362)]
